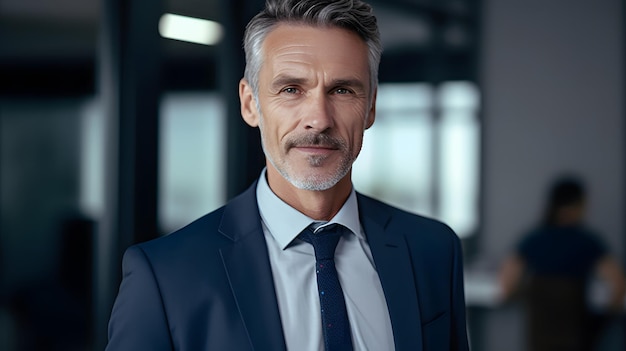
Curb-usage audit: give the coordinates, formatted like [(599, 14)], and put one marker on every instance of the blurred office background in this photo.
[(116, 130)]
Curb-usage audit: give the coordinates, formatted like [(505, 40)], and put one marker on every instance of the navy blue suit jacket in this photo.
[(209, 285)]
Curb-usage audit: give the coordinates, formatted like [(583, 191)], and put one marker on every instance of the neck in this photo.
[(321, 205), (568, 216)]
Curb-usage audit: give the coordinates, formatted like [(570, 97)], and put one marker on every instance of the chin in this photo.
[(312, 186), (316, 182)]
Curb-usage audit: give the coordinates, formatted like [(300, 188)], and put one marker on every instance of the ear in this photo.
[(249, 110), (371, 116)]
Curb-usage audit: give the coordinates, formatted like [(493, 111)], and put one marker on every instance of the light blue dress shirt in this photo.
[(293, 269)]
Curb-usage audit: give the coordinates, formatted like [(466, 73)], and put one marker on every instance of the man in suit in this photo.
[(251, 275)]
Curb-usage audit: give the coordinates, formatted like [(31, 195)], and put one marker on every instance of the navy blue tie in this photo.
[(335, 324)]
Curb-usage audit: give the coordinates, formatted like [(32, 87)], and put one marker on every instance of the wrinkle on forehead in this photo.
[(305, 52), (305, 40)]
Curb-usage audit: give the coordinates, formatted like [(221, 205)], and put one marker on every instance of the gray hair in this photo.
[(353, 15)]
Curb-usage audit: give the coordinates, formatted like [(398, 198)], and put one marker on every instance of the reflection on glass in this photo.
[(400, 152), (459, 156), (394, 162), (92, 159), (192, 157)]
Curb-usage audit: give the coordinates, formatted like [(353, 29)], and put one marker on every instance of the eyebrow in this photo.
[(353, 83), (285, 80)]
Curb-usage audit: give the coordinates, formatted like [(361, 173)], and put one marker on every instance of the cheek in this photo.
[(353, 125), (358, 143), (280, 121), (272, 130), (353, 136)]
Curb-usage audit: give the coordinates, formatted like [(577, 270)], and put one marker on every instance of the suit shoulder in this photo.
[(202, 231), (407, 222), (373, 205)]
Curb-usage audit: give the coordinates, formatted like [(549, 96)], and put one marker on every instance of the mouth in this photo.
[(315, 149), (320, 143)]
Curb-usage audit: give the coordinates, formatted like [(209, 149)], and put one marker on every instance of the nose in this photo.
[(318, 113)]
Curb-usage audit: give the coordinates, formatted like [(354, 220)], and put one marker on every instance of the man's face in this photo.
[(314, 103)]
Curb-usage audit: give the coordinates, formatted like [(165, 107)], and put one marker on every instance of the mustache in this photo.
[(321, 139)]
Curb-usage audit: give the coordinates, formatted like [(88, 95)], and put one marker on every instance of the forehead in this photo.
[(298, 45)]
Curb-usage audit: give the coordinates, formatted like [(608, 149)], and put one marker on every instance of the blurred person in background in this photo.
[(553, 266)]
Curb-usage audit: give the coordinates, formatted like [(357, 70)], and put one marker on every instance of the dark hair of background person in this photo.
[(565, 191)]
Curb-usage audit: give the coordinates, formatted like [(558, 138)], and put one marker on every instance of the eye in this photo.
[(342, 91), (290, 90)]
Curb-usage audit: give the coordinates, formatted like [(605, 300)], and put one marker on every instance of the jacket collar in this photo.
[(395, 270), (248, 268)]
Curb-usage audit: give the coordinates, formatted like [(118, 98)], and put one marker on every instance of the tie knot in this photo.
[(324, 242)]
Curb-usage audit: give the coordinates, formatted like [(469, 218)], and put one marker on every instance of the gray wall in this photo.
[(553, 80)]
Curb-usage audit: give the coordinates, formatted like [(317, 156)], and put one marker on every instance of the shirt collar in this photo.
[(285, 222)]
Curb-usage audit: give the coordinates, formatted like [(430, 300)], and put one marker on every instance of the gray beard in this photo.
[(311, 182)]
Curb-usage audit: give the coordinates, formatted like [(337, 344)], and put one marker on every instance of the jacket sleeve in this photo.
[(138, 320)]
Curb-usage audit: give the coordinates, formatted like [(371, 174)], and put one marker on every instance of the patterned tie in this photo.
[(335, 324)]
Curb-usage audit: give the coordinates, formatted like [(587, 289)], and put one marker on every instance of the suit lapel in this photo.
[(394, 266), (247, 265)]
